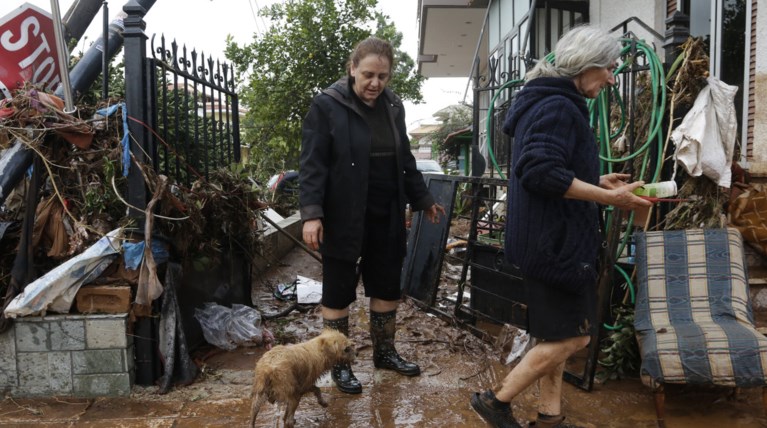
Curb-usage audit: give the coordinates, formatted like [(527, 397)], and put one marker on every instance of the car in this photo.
[(284, 182), (428, 166)]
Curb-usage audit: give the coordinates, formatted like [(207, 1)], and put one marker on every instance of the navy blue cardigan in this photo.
[(552, 239)]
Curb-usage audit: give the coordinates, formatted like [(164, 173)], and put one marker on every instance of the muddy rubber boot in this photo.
[(382, 328), (342, 373)]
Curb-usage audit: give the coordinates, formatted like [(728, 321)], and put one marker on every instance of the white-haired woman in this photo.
[(552, 227)]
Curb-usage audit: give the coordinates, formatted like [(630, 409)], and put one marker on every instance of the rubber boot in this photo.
[(342, 373), (382, 328)]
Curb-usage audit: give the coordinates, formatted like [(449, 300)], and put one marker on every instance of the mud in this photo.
[(455, 363)]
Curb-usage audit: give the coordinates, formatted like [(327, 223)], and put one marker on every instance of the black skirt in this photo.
[(556, 314)]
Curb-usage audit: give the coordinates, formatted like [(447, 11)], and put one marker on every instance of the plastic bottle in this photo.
[(663, 189)]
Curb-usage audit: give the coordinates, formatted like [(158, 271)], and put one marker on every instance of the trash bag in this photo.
[(519, 347), (228, 328), (178, 367)]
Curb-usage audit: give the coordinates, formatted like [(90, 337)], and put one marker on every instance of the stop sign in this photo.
[(27, 50)]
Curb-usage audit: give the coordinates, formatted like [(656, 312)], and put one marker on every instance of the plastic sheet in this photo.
[(55, 291), (519, 346), (178, 367), (228, 328)]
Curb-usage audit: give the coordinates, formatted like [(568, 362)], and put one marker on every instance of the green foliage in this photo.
[(304, 51), (620, 350), (454, 118)]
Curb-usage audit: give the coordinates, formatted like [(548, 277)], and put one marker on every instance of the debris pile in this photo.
[(81, 196)]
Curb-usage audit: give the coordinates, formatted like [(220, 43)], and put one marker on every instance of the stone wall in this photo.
[(67, 355)]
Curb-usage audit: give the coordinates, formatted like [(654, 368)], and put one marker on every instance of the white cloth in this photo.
[(705, 140)]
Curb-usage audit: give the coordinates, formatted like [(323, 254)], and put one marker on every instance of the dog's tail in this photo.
[(259, 397)]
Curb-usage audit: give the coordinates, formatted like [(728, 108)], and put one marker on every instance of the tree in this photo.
[(304, 51)]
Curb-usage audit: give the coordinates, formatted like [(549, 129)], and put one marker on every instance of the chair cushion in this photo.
[(693, 314)]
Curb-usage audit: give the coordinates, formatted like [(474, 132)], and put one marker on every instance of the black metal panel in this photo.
[(497, 289), (426, 244)]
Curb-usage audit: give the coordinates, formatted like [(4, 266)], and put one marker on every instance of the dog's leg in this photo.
[(318, 393), (255, 406), (290, 412)]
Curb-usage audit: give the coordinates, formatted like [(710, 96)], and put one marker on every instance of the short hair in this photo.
[(371, 45), (579, 49)]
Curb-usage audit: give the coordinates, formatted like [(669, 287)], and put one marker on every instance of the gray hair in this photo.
[(579, 49)]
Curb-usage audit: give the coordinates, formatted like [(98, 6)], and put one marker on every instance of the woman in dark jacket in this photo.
[(552, 226), (356, 176)]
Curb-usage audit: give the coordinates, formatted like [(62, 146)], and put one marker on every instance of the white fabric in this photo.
[(705, 140)]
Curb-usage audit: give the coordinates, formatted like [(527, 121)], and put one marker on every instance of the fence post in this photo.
[(677, 32), (135, 100)]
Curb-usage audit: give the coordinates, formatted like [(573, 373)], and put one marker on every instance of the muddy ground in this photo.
[(454, 363)]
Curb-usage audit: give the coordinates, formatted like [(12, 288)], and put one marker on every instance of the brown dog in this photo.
[(285, 373)]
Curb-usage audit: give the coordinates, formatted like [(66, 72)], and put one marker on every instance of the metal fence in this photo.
[(186, 115), (195, 111)]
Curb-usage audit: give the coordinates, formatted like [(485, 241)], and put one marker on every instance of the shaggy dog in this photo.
[(285, 373)]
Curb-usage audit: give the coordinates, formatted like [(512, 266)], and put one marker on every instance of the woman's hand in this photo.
[(432, 213), (623, 196), (613, 180), (312, 233)]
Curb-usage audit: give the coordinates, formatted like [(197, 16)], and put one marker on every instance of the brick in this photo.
[(103, 299), (66, 335), (99, 361), (105, 332), (32, 336), (8, 377), (103, 385)]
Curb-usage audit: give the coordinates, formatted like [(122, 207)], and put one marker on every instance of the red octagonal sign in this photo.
[(27, 50)]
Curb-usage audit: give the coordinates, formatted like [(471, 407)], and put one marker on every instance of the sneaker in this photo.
[(498, 417)]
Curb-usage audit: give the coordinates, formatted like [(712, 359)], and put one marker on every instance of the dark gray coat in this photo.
[(334, 164)]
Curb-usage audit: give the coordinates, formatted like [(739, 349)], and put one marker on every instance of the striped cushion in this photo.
[(693, 315)]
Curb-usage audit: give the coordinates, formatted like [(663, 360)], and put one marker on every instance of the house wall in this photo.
[(610, 13), (758, 163)]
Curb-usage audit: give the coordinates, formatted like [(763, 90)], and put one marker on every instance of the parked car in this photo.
[(284, 182), (428, 166)]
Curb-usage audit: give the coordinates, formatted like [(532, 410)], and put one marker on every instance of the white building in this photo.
[(453, 34)]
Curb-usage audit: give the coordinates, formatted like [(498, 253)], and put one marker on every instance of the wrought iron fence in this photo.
[(194, 110)]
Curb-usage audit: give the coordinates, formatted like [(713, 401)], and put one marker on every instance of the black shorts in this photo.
[(380, 268)]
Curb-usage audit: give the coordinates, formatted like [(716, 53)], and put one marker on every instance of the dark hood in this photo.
[(538, 89), (341, 91)]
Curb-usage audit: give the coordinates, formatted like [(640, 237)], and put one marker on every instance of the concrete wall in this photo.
[(276, 244), (67, 355)]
